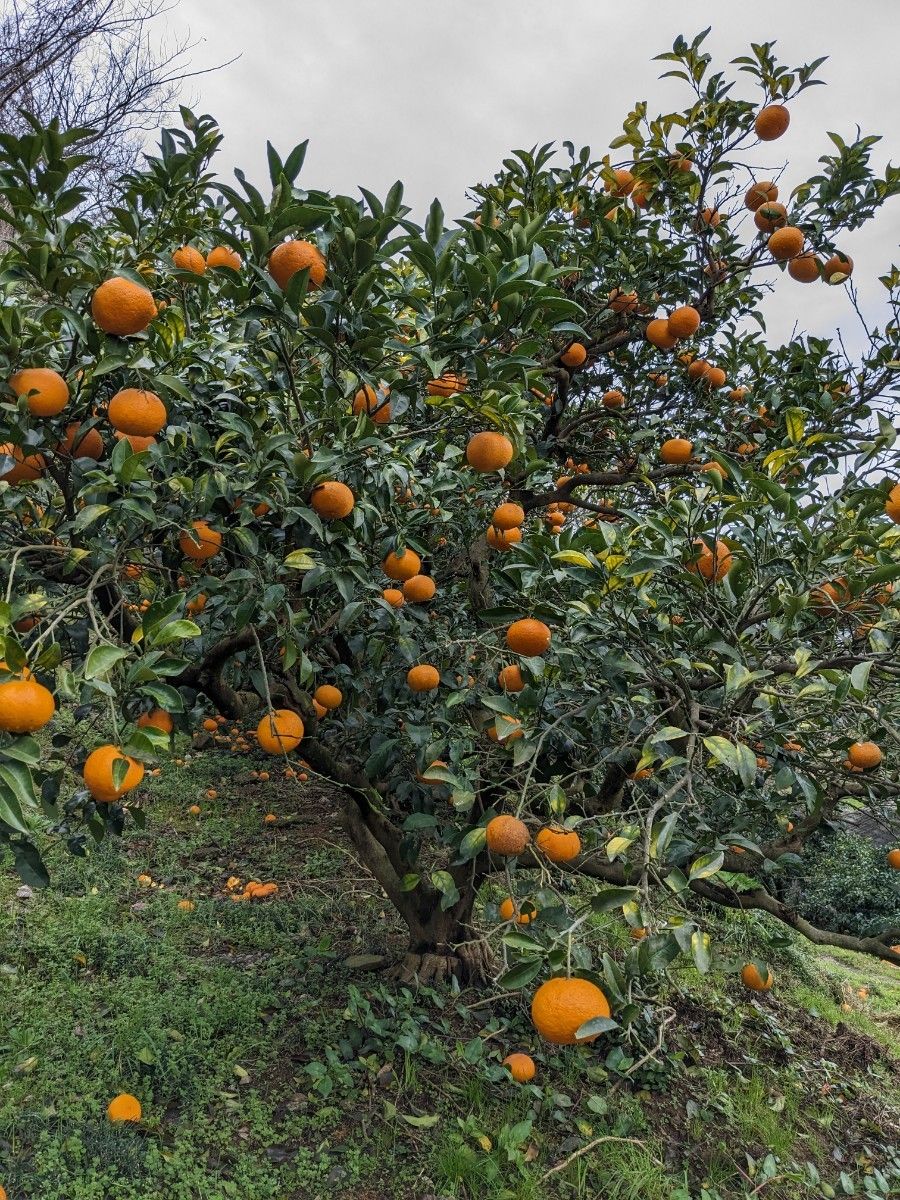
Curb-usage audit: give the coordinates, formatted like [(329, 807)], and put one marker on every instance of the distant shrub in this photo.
[(845, 884)]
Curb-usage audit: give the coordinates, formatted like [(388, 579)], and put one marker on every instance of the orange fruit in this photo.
[(893, 861), (676, 451), (375, 404), (197, 605), (828, 597), (528, 637), (892, 504), (423, 678), (657, 333), (510, 516), (508, 910), (510, 678), (332, 500), (194, 810), (506, 835), (188, 258), (699, 368), (210, 724), (624, 182), (638, 933), (502, 539), (290, 257), (771, 122), (786, 242), (394, 597), (49, 391), (419, 589), (715, 377), (752, 979), (711, 565), (711, 217), (574, 355), (837, 265), (99, 777), (612, 399), (157, 718), (186, 905), (865, 755), (319, 709), (770, 216), (448, 385), (121, 307), (561, 1006), (133, 410), (804, 268), (224, 256), (622, 302), (136, 441), (559, 845), (279, 731), (520, 1066), (403, 565), (200, 542), (489, 451), (684, 322), (760, 193), (329, 696), (124, 1107), (81, 445), (25, 468), (25, 704)]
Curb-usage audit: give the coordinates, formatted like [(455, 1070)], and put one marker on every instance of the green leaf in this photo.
[(574, 558), (101, 660), (472, 844), (700, 948), (595, 1026), (611, 898), (520, 975), (300, 560), (706, 865), (175, 631), (795, 424)]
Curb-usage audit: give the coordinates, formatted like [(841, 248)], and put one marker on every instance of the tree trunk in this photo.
[(443, 944)]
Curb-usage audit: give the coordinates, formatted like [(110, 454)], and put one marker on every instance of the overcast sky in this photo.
[(436, 94)]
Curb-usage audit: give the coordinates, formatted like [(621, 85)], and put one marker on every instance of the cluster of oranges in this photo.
[(253, 889)]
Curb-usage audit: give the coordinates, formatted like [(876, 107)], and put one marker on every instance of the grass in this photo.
[(268, 1067)]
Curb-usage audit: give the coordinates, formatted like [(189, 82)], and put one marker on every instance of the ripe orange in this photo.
[(612, 399), (524, 915), (224, 256), (423, 678), (394, 597), (136, 442), (121, 307), (319, 709), (698, 368), (770, 216), (332, 500), (829, 597), (25, 468), (804, 268), (711, 217), (657, 333), (574, 355), (290, 257), (200, 542), (838, 265), (528, 637), (81, 445), (158, 718), (786, 243), (865, 755), (561, 1006), (489, 451), (676, 451), (893, 861), (403, 565), (197, 605), (280, 731), (510, 516), (99, 777), (684, 322), (771, 122), (715, 377), (49, 391), (624, 182), (892, 504), (188, 258), (622, 302), (510, 678), (714, 564), (760, 193), (25, 704), (133, 410), (375, 404), (502, 539), (449, 384), (506, 835), (124, 1107), (520, 1066), (559, 845), (752, 979), (329, 696), (419, 589), (186, 905)]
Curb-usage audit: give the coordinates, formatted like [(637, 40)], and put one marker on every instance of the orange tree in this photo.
[(517, 529)]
